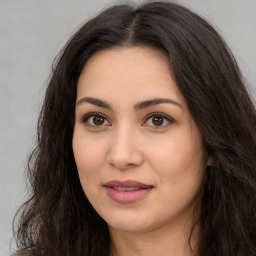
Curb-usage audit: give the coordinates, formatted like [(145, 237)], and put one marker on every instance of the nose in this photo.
[(124, 150)]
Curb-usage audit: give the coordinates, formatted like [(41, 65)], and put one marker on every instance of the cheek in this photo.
[(89, 157), (178, 157), (180, 172), (85, 159), (88, 161)]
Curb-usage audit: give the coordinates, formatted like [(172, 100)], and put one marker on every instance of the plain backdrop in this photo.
[(31, 34)]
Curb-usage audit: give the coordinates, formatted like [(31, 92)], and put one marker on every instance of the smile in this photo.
[(126, 189), (129, 191)]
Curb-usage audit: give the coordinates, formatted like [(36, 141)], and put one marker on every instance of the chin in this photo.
[(131, 224), (129, 227)]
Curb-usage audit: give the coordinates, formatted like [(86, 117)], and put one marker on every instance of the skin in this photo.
[(128, 145)]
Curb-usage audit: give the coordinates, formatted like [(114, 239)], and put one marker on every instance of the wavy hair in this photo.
[(57, 219)]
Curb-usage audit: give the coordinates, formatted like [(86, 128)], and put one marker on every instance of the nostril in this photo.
[(125, 160)]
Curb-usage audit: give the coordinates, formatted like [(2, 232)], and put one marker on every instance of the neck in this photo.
[(175, 241)]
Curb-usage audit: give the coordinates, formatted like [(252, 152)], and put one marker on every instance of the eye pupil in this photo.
[(97, 120), (157, 120)]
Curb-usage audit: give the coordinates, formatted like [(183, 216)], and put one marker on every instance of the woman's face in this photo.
[(139, 154)]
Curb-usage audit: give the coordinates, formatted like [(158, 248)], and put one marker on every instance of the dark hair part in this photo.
[(57, 219)]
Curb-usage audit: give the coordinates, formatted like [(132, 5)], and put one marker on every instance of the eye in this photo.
[(158, 120), (95, 119)]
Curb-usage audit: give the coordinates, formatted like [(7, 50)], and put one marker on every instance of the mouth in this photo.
[(127, 191)]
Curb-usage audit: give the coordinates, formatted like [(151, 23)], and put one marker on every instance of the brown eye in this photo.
[(95, 119), (157, 120), (98, 120)]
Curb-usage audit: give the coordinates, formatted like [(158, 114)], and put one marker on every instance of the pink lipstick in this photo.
[(128, 191)]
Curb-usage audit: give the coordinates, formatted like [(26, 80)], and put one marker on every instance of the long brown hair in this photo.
[(57, 219)]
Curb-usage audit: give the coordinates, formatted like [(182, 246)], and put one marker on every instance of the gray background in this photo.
[(31, 34)]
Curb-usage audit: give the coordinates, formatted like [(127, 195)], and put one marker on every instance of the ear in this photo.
[(209, 161)]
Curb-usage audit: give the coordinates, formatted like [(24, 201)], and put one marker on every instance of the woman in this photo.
[(146, 143)]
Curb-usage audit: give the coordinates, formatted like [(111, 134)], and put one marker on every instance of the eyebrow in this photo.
[(94, 101), (138, 106), (156, 101)]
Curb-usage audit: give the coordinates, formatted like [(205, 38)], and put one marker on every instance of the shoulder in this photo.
[(21, 253)]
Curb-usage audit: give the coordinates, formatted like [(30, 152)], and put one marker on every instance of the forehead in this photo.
[(131, 53), (135, 72)]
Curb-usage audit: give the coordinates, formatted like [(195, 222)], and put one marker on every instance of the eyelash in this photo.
[(167, 118), (161, 115), (86, 117)]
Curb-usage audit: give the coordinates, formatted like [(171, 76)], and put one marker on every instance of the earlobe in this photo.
[(209, 161)]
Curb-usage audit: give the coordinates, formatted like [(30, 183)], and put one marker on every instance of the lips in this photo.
[(128, 191)]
